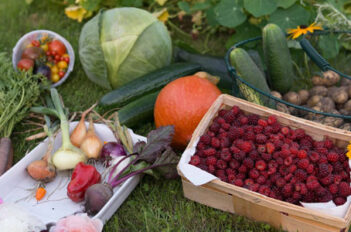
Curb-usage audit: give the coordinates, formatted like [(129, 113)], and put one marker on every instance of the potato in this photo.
[(293, 98), (319, 90), (283, 108), (347, 106), (302, 113), (317, 80), (344, 112), (276, 94), (334, 122), (346, 126), (314, 100), (339, 96), (345, 82), (348, 90), (292, 110), (339, 106), (331, 78), (304, 94), (327, 104)]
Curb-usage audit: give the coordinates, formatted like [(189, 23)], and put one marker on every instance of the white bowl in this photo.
[(34, 35)]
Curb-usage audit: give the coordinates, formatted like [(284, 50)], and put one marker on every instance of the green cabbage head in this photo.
[(122, 44)]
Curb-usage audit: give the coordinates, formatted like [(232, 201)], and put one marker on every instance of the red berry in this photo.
[(248, 162), (211, 168), (292, 168), (235, 110), (254, 173), (288, 161), (239, 156), (328, 144), (230, 171), (302, 154), (243, 120), (262, 122), (285, 153), (214, 127), (248, 182), (221, 164), (270, 148), (210, 152), (215, 142), (299, 133), (323, 170), (312, 185), (242, 169), (261, 138), (314, 157), (229, 117), (287, 190), (225, 155), (327, 180), (344, 189), (253, 119), (260, 165), (206, 139), (261, 148), (211, 160), (285, 130), (333, 157), (271, 120), (234, 164), (231, 178), (303, 163), (264, 190), (333, 188), (339, 200), (246, 146), (261, 180), (225, 126), (301, 175), (258, 129), (195, 160), (272, 170), (280, 182)]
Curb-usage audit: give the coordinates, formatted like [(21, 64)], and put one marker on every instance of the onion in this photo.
[(110, 151)]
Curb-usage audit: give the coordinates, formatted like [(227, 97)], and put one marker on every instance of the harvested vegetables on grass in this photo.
[(18, 91)]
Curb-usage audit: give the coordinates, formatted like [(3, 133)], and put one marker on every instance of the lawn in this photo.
[(155, 205)]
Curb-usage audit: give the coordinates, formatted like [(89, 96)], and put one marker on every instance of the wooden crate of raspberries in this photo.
[(267, 162)]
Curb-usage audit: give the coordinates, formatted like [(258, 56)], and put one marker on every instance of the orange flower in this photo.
[(302, 30)]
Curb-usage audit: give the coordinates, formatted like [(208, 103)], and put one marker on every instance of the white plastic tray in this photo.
[(55, 205)]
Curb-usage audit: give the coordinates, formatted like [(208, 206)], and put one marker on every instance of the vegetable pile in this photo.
[(47, 56), (274, 160)]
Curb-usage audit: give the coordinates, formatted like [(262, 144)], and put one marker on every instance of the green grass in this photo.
[(155, 205)]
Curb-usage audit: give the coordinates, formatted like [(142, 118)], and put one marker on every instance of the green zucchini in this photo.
[(211, 64), (140, 110), (146, 84), (278, 59)]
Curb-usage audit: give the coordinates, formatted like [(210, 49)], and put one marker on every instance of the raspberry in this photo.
[(264, 190), (258, 129), (288, 177), (288, 161), (309, 197), (261, 148), (318, 144), (230, 171), (312, 185), (328, 144), (222, 112), (322, 150), (271, 120), (333, 157), (266, 156), (225, 126), (301, 187), (287, 190), (278, 143), (270, 148), (225, 142), (280, 160), (323, 159), (220, 172), (248, 162), (225, 155), (261, 180), (268, 130), (243, 120), (305, 143), (299, 133), (276, 127), (260, 165), (342, 157), (302, 154), (254, 173), (292, 168), (296, 196), (246, 146), (272, 170), (206, 139), (339, 200), (240, 156), (200, 146), (231, 178), (253, 119), (285, 130), (333, 188), (250, 135), (234, 164), (234, 150), (314, 157), (320, 191), (229, 117), (238, 182), (323, 170), (241, 176), (261, 138), (215, 127), (285, 153), (210, 152), (211, 160), (327, 197), (203, 167), (223, 178), (221, 164), (254, 155), (303, 163), (242, 169), (327, 180), (301, 175), (337, 179), (262, 122), (344, 189), (294, 151), (235, 110), (211, 168), (272, 164), (195, 160)]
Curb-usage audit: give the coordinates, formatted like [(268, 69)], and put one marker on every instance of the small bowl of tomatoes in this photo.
[(44, 52)]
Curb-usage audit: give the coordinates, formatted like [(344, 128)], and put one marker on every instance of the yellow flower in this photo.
[(348, 154), (162, 15), (302, 30), (77, 13)]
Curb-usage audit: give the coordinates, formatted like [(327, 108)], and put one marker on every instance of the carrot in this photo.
[(6, 154), (40, 193)]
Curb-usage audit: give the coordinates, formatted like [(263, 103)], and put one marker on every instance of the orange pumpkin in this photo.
[(182, 103)]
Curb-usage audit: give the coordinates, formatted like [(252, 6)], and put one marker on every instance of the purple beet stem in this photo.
[(116, 165)]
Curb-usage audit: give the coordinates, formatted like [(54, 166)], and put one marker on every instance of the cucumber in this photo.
[(211, 64), (140, 110), (278, 59), (146, 84)]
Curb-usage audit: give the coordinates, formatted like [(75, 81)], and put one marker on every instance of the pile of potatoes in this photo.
[(326, 95)]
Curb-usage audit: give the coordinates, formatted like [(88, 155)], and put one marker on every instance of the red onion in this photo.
[(111, 150)]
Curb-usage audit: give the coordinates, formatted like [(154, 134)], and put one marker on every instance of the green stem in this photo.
[(65, 133)]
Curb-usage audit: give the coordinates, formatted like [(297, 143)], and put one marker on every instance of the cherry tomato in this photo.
[(57, 58), (62, 64), (58, 47), (25, 64), (45, 47), (36, 43), (66, 59), (54, 69), (48, 53), (55, 78), (61, 74), (53, 53)]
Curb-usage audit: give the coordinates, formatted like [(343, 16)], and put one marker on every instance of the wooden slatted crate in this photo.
[(241, 201)]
